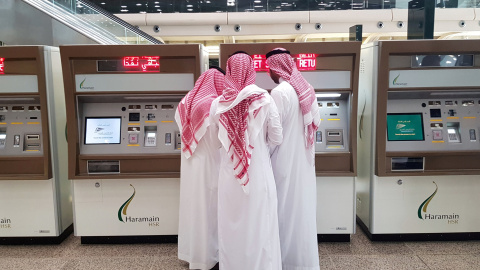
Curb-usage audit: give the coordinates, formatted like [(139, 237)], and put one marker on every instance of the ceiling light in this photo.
[(157, 2), (124, 6), (208, 2), (258, 6), (139, 4), (103, 3), (189, 9), (157, 6), (143, 12), (257, 1), (189, 5), (124, 10)]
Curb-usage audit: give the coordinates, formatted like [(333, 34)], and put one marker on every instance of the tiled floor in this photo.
[(360, 253)]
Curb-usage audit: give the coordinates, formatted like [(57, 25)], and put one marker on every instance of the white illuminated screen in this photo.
[(102, 130)]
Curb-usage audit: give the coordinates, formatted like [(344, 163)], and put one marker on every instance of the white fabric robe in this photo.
[(248, 223), (295, 179), (197, 230)]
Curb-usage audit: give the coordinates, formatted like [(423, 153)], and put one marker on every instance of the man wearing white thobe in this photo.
[(200, 158), (247, 199), (293, 163)]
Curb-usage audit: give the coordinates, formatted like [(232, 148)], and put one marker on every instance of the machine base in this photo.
[(48, 240), (333, 238), (419, 236), (131, 239)]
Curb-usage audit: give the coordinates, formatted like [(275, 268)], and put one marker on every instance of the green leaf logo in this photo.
[(395, 80), (424, 205), (81, 84), (123, 208)]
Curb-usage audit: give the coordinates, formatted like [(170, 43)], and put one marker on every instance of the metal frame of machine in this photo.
[(111, 93), (34, 188), (419, 180)]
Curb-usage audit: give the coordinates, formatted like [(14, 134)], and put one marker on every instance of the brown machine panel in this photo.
[(397, 55), (25, 150), (136, 155), (335, 160)]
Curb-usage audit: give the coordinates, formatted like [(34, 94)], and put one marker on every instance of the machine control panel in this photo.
[(20, 126), (434, 121), (129, 125), (332, 135)]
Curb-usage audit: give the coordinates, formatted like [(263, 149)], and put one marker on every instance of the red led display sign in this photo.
[(305, 61), (2, 65), (142, 63), (260, 62)]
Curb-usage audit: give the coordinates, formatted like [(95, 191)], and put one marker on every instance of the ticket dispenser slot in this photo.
[(453, 130), (103, 166), (3, 138), (150, 136)]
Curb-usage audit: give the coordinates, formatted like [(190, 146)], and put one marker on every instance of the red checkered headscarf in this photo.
[(194, 108), (240, 73), (280, 62)]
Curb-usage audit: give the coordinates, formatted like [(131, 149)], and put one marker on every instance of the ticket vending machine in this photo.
[(332, 69), (35, 199), (124, 145), (418, 140)]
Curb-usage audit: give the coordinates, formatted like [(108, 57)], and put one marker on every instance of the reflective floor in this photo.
[(360, 253)]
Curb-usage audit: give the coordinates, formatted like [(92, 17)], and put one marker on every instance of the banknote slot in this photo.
[(330, 133), (33, 137), (334, 137)]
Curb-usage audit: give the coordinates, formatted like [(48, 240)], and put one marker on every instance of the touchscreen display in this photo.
[(405, 127), (102, 130)]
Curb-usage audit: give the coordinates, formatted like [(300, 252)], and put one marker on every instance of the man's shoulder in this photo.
[(283, 88)]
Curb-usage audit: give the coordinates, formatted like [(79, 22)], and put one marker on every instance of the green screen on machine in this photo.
[(405, 127)]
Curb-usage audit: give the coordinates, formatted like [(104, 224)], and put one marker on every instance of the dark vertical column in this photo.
[(355, 33), (421, 19)]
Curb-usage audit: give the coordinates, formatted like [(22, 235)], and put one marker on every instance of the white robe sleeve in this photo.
[(178, 120), (274, 127)]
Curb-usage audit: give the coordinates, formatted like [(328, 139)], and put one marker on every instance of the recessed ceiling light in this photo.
[(139, 4), (159, 10), (258, 6), (157, 6), (143, 12), (189, 9), (124, 10), (103, 3), (157, 2), (123, 6), (257, 1), (208, 2)]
